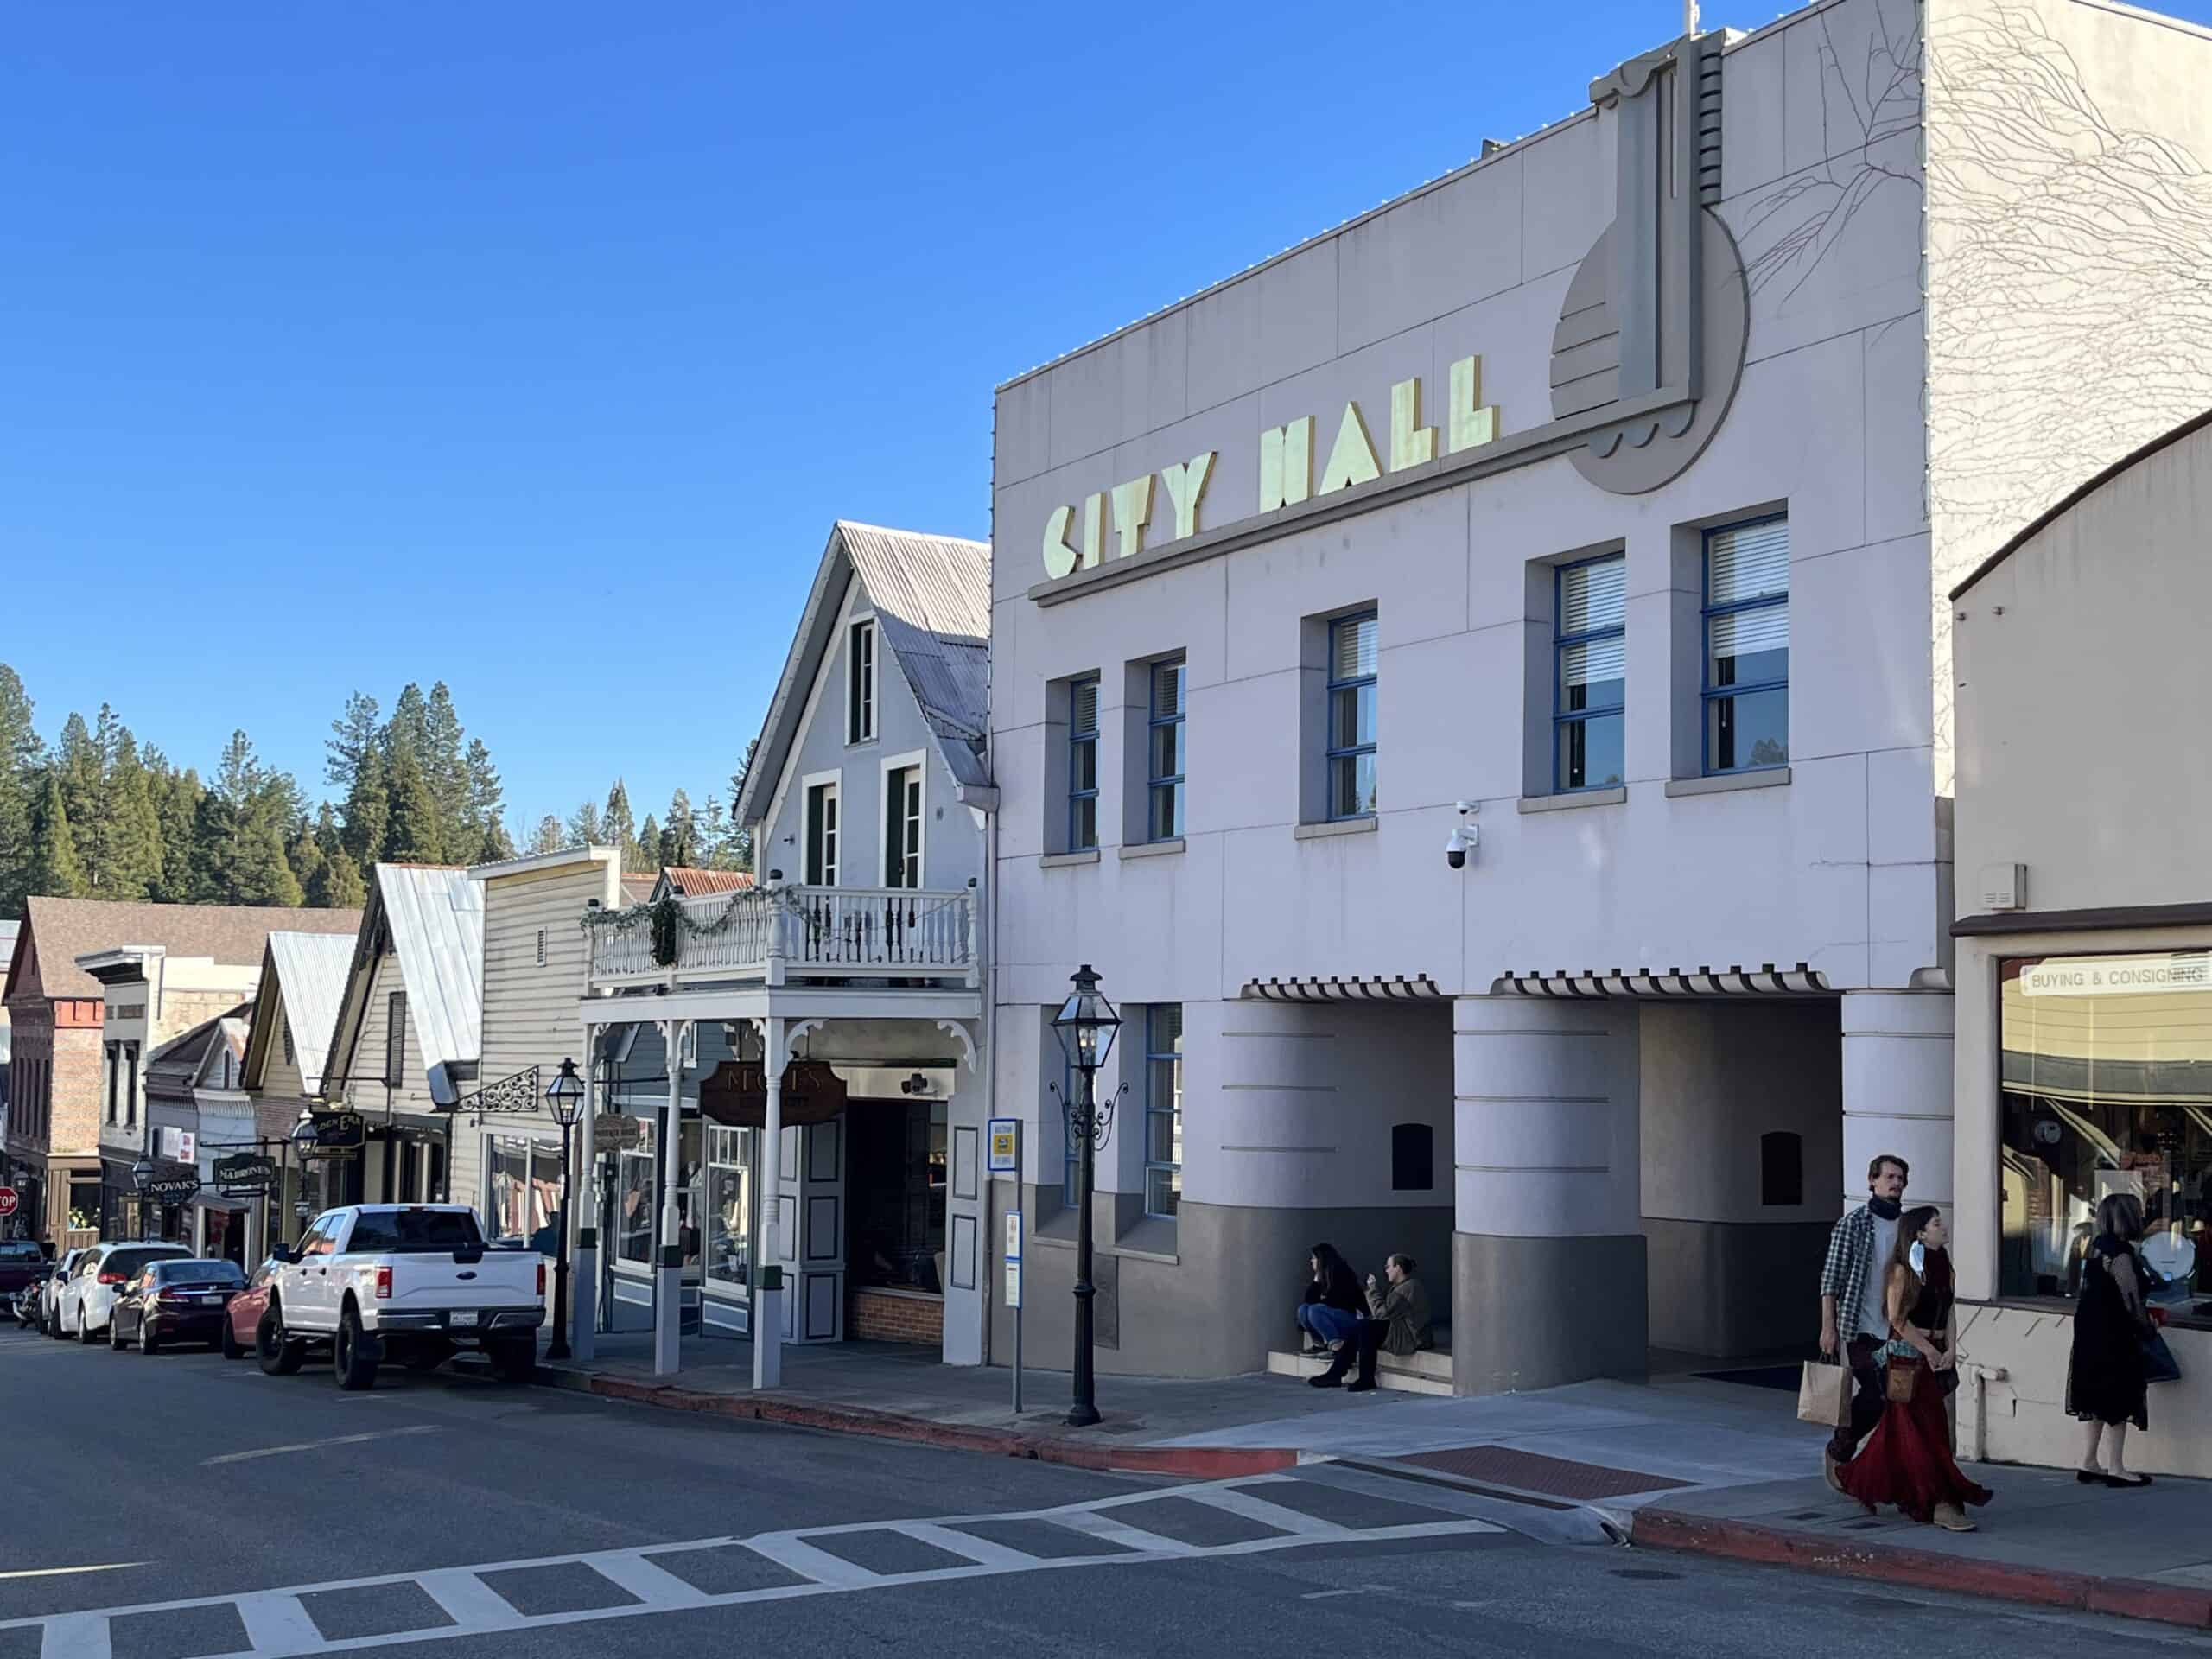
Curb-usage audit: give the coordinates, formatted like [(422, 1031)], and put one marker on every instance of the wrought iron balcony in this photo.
[(792, 933)]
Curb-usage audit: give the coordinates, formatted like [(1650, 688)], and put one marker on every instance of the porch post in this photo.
[(583, 1284), (668, 1274), (767, 1314)]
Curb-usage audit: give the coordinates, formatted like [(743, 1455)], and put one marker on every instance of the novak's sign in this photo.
[(1287, 475)]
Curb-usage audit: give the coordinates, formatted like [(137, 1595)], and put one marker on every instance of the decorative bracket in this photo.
[(959, 1032)]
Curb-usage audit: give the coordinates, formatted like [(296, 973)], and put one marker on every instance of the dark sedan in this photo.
[(174, 1300)]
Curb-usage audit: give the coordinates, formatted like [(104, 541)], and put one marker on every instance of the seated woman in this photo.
[(1332, 1308), (1907, 1459)]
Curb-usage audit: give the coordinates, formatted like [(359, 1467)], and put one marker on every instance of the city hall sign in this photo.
[(1645, 358), (1286, 472)]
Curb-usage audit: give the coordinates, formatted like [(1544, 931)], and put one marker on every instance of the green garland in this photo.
[(670, 920)]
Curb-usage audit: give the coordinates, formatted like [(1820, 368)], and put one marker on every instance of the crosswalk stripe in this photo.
[(76, 1635), (981, 1551), (1235, 1500), (809, 1562), (468, 1601), (648, 1580), (276, 1623)]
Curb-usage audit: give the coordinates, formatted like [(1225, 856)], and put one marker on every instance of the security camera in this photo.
[(1464, 838)]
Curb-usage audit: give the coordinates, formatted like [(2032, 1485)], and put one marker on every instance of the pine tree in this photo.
[(310, 864), (134, 853), (54, 870), (239, 833), (739, 853), (367, 812), (584, 828), (550, 836), (485, 802), (214, 850), (81, 771), (19, 755), (339, 885), (679, 834), (353, 735), (411, 836), (620, 828), (176, 806), (713, 832), (494, 843), (649, 844), (445, 771)]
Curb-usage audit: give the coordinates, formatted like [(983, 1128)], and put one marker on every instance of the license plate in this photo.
[(469, 1318), (201, 1302)]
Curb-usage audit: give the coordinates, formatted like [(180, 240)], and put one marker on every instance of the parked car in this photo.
[(412, 1282), (49, 1317), (25, 1304), (175, 1301), (242, 1313), (87, 1296), (22, 1265)]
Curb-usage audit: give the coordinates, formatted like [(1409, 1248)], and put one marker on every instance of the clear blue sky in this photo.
[(534, 346)]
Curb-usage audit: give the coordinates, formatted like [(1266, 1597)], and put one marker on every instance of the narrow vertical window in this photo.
[(1352, 716), (1163, 1108), (822, 835), (395, 1039), (902, 827), (1166, 766), (860, 683), (541, 947), (1082, 765), (1747, 646), (131, 1085), (1590, 654)]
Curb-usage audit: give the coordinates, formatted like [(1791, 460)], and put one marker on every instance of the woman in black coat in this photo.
[(2106, 1381), (1333, 1306)]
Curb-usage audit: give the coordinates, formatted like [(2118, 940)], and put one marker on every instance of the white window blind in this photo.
[(1354, 653), (1082, 714), (1745, 633), (1747, 562), (1593, 598)]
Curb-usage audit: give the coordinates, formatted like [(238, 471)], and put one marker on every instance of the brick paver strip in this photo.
[(1534, 1472)]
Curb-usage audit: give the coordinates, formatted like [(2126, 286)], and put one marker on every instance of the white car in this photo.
[(87, 1296), (408, 1281), (50, 1292)]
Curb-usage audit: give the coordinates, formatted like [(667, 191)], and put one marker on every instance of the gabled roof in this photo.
[(931, 597), (432, 918), (687, 882), (64, 929), (304, 976), (175, 1068)]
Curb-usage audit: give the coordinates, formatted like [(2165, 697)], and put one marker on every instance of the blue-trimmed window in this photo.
[(1082, 764), (1589, 678), (1352, 716), (1164, 767), (1163, 1108), (1747, 646)]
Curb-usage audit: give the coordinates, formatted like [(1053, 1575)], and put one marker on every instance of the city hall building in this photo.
[(1477, 686)]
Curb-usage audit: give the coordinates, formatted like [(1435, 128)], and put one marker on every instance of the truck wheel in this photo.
[(276, 1357), (514, 1362), (348, 1359)]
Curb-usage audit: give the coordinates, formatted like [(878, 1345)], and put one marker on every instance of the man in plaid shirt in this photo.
[(1851, 1314)]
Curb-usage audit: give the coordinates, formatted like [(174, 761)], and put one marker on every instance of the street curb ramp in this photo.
[(1191, 1462), (1924, 1569)]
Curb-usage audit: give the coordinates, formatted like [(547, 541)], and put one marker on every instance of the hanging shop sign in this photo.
[(244, 1174), (337, 1134), (736, 1094)]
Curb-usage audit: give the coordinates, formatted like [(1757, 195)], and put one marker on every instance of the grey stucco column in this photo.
[(1549, 1278), (1897, 1089)]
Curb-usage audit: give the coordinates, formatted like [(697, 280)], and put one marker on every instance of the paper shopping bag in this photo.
[(1824, 1393)]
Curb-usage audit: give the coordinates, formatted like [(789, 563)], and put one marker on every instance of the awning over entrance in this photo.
[(1765, 979), (736, 1094)]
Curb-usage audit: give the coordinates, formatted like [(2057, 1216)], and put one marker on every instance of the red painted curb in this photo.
[(1196, 1462), (1745, 1540)]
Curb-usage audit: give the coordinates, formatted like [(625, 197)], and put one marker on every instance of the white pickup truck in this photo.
[(407, 1281)]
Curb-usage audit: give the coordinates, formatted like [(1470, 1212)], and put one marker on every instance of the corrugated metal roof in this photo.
[(932, 600), (687, 881), (436, 917), (311, 974)]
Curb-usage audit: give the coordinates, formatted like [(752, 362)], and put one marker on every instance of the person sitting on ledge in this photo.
[(1402, 1305), (1331, 1310)]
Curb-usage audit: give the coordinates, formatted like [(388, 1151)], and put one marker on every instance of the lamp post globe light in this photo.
[(1085, 1025), (564, 1098), (142, 1177)]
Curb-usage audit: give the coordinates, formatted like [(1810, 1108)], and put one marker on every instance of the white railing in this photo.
[(794, 932)]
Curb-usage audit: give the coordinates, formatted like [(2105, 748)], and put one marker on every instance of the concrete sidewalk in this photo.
[(1684, 1462)]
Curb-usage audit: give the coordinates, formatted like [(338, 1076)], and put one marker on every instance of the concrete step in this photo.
[(1428, 1372)]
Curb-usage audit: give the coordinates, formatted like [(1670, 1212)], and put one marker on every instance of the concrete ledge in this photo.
[(1728, 782), (1150, 848), (1568, 800), (1924, 1569), (1192, 1462), (1066, 860), (1337, 827)]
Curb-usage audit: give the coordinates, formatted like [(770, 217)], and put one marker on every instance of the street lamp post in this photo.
[(564, 1096), (303, 1137), (142, 1177), (1085, 1025)]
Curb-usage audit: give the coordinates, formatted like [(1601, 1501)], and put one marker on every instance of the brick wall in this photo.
[(76, 1090), (889, 1316)]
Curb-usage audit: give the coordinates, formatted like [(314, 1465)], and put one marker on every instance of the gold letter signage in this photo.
[(1286, 471)]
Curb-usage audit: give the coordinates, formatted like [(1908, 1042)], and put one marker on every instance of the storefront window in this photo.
[(2107, 1081), (729, 1204), (635, 1206), (522, 1189)]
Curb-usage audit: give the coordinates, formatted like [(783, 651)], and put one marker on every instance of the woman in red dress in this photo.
[(1907, 1459)]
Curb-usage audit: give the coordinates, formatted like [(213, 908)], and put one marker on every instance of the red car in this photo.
[(242, 1315)]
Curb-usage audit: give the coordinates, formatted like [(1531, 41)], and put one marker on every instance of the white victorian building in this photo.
[(834, 1012)]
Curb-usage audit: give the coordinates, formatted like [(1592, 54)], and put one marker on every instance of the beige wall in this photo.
[(364, 1089)]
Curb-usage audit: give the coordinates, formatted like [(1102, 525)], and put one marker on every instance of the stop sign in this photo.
[(7, 1202)]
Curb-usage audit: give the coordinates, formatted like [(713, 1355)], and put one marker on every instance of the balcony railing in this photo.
[(793, 932)]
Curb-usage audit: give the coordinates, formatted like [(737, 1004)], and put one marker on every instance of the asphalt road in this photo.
[(284, 1515)]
